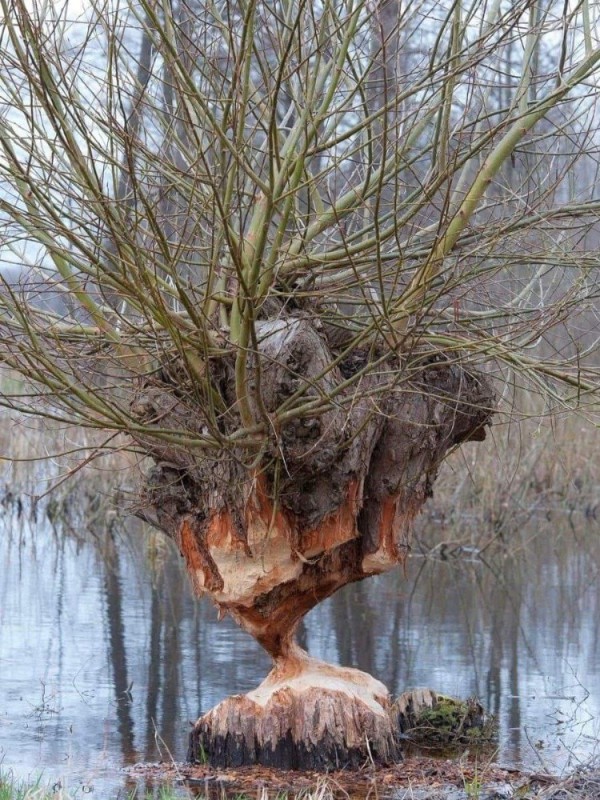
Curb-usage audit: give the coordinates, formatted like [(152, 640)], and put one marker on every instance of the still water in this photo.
[(105, 656)]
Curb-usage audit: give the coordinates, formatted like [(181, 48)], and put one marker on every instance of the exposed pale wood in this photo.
[(306, 714)]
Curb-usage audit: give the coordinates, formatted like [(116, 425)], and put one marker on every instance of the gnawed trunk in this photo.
[(330, 501), (306, 714)]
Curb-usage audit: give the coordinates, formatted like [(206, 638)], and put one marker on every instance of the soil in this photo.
[(416, 777)]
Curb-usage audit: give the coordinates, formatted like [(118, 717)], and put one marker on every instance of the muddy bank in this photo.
[(417, 778)]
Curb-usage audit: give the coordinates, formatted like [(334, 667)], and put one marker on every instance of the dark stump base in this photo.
[(321, 718), (324, 756)]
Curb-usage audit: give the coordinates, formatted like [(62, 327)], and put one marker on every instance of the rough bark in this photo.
[(331, 502)]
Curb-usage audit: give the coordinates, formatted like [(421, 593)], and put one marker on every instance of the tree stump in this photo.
[(306, 714)]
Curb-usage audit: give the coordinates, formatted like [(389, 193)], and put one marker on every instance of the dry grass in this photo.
[(416, 778), (584, 785), (533, 468)]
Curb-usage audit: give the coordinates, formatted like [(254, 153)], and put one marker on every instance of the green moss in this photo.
[(432, 719)]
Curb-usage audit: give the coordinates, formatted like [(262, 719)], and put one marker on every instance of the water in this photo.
[(105, 657)]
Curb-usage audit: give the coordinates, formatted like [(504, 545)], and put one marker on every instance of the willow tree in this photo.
[(287, 249)]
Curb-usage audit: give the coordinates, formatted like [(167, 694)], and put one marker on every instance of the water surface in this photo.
[(105, 656)]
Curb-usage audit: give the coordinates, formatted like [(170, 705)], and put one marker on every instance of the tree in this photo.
[(294, 252)]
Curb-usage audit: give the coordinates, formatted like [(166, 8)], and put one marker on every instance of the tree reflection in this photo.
[(117, 648), (519, 629)]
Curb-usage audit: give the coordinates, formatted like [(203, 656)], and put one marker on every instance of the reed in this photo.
[(526, 469)]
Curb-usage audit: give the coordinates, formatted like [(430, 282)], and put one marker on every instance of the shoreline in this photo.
[(417, 778)]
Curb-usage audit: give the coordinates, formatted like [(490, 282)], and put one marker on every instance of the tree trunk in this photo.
[(330, 502), (306, 714)]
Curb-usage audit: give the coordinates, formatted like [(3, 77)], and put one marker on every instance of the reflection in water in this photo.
[(117, 647), (504, 650), (154, 664), (171, 721), (104, 658)]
